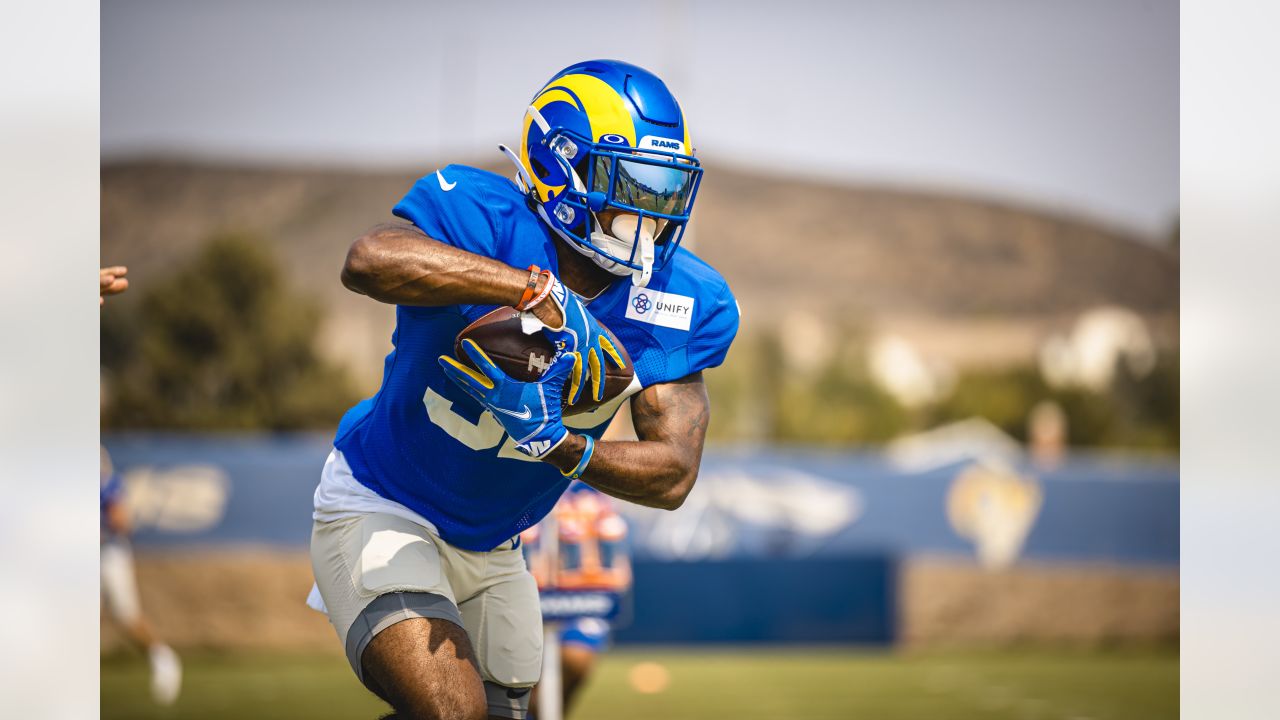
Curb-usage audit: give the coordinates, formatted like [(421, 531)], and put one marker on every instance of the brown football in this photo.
[(526, 357)]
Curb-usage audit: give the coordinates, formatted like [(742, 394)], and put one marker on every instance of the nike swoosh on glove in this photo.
[(584, 338), (529, 412)]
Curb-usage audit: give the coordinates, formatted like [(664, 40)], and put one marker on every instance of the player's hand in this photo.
[(529, 412), (581, 336), (111, 281)]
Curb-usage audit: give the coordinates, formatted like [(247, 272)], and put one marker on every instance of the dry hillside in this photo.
[(945, 269)]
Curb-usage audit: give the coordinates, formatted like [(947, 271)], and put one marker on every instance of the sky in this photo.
[(1067, 106)]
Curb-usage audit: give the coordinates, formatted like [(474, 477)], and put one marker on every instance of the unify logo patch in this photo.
[(660, 308)]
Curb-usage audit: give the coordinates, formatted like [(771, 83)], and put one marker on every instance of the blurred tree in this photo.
[(1136, 412), (757, 397), (836, 403), (1003, 397), (222, 344), (1147, 407)]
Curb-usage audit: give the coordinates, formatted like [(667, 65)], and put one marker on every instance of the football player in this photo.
[(415, 545), (583, 639), (120, 588), (581, 643)]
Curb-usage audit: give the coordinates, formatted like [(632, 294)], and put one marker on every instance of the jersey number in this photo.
[(483, 434), (486, 433)]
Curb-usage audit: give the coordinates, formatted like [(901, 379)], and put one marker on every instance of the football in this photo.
[(526, 356)]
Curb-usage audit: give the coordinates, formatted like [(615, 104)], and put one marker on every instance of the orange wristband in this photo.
[(542, 294), (528, 289)]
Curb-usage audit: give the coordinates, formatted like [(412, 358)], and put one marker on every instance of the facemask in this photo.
[(623, 227)]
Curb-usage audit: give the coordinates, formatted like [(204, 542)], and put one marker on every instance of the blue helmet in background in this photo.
[(606, 138)]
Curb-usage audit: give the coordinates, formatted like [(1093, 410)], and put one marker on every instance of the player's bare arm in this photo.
[(659, 469), (399, 264)]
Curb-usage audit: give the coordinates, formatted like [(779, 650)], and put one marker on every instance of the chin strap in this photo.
[(522, 177), (640, 278), (640, 248), (543, 125)]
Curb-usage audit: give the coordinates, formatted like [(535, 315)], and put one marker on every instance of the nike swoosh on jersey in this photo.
[(445, 186), (523, 416)]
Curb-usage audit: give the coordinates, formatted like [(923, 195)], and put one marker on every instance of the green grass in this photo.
[(747, 683)]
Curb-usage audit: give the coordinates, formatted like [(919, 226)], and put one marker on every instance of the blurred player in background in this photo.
[(119, 584), (120, 588), (415, 546), (592, 538), (581, 643)]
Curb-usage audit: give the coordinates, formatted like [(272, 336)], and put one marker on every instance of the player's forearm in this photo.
[(648, 473), (659, 469), (398, 264)]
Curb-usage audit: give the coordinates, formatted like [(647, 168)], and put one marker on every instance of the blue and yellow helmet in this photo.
[(604, 137)]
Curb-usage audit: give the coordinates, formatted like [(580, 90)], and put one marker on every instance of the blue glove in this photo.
[(529, 412), (582, 336)]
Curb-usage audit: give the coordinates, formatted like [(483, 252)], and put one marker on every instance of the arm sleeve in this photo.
[(459, 216), (711, 340)]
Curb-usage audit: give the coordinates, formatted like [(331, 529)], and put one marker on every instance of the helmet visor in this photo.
[(651, 185)]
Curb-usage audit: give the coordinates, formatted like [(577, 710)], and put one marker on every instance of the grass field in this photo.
[(754, 684)]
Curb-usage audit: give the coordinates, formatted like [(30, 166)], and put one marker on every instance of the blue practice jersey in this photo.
[(424, 443), (110, 492)]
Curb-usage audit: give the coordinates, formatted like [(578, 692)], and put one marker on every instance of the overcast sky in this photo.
[(1070, 105)]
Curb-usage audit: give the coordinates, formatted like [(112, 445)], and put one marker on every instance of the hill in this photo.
[(967, 278)]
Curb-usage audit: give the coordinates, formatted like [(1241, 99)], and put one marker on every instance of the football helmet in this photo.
[(605, 136)]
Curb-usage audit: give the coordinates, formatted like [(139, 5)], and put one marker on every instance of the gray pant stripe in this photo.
[(389, 609)]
